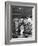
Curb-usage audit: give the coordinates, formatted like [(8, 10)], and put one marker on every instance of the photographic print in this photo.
[(21, 21)]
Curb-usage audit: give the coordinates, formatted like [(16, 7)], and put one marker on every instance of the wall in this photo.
[(2, 22)]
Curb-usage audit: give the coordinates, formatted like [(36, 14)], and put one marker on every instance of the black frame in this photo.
[(7, 36)]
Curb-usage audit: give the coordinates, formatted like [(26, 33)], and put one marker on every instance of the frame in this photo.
[(8, 19)]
